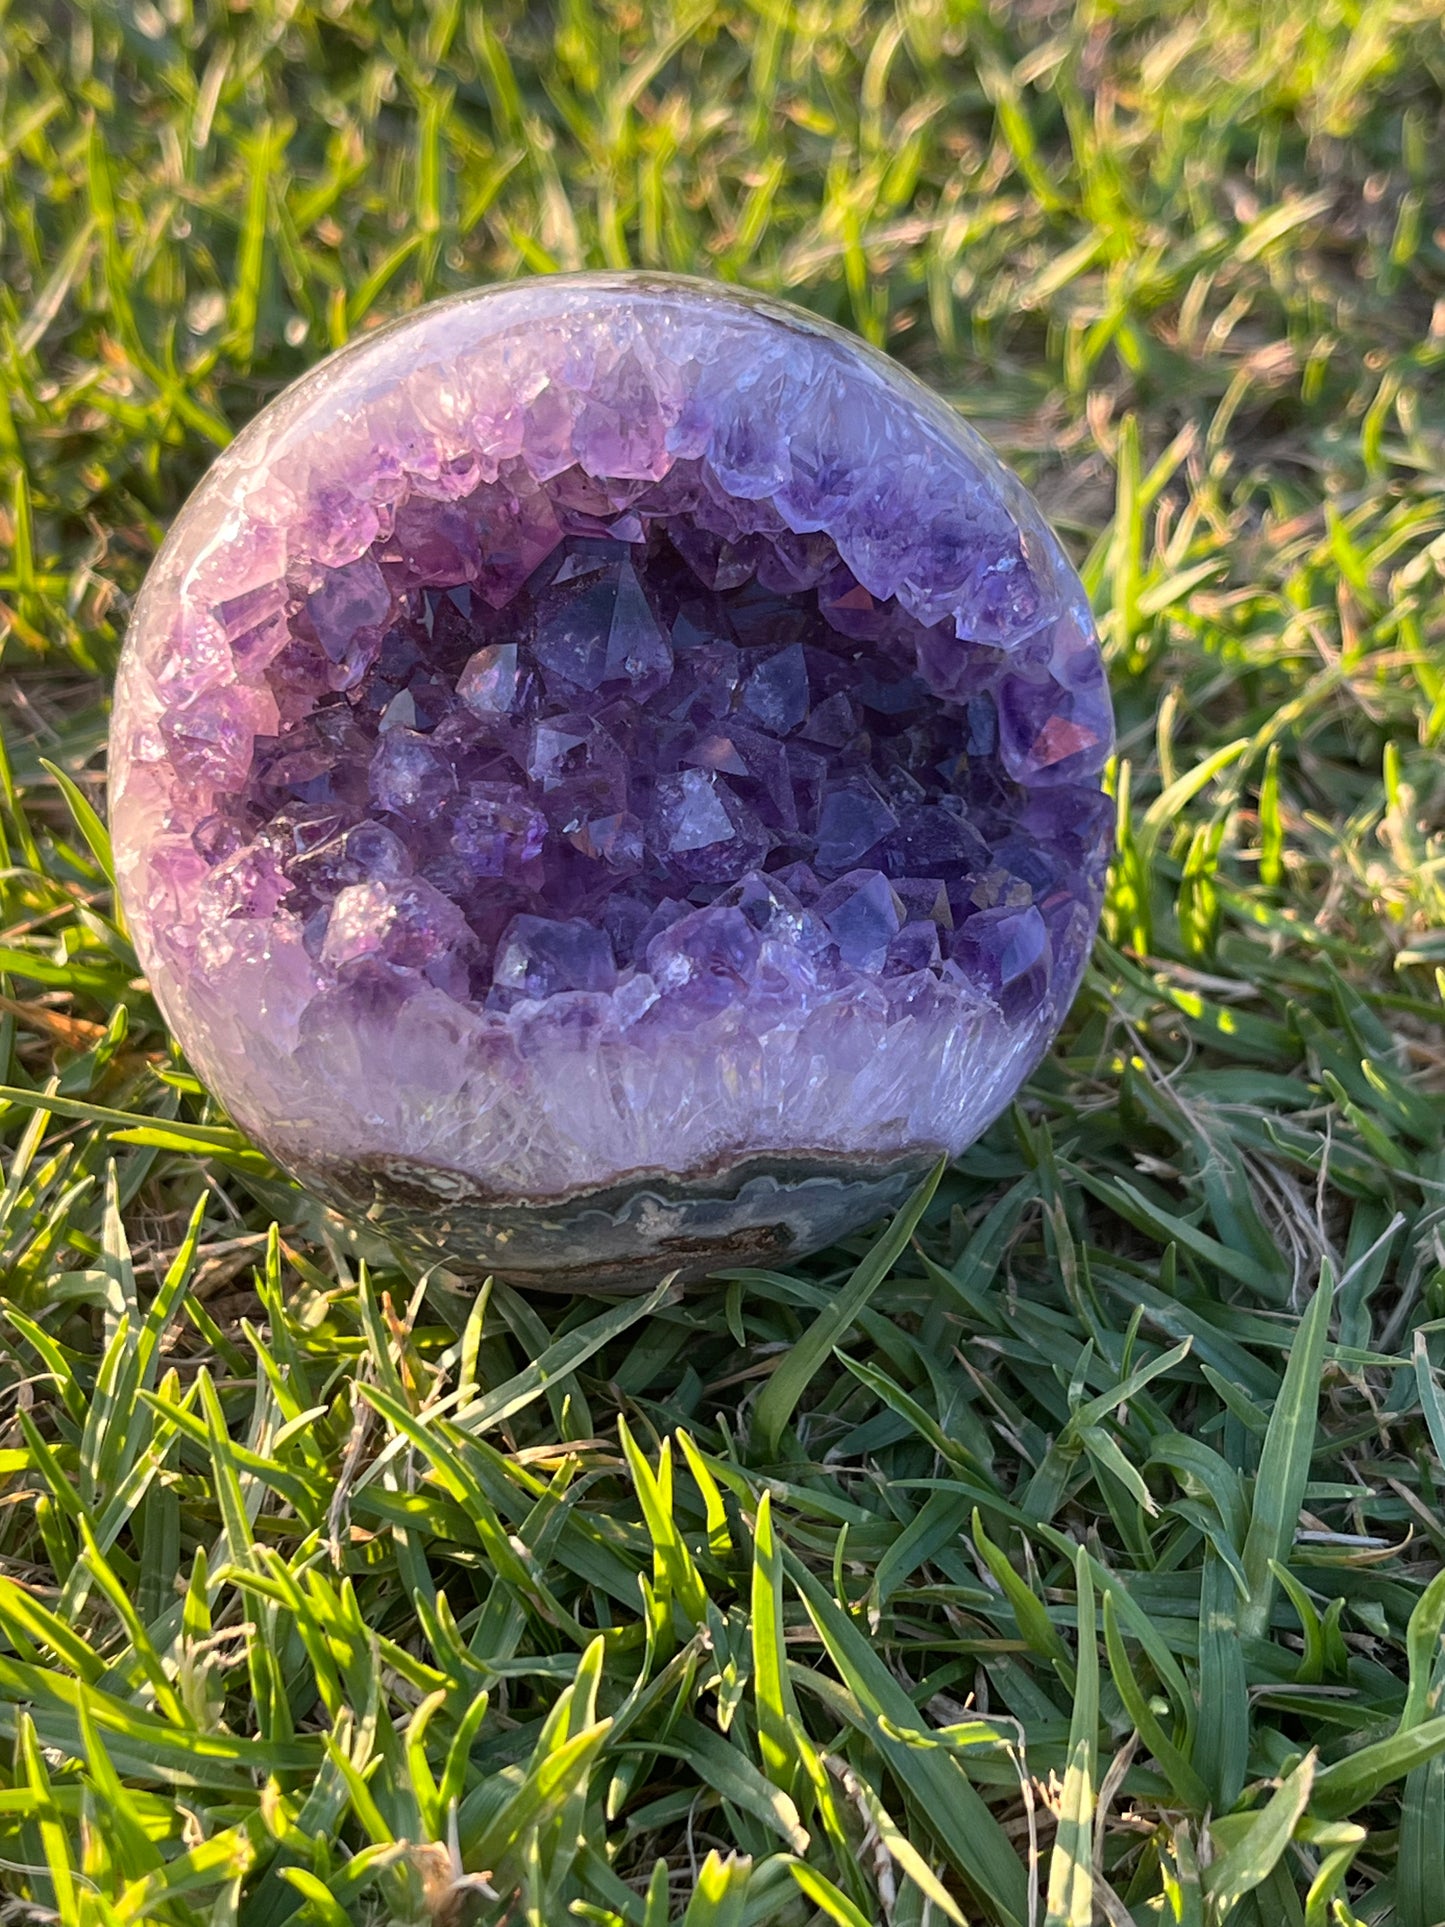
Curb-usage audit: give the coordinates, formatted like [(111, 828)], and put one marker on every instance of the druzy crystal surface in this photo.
[(606, 776)]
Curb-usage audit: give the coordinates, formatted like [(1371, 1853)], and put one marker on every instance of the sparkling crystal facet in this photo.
[(606, 775)]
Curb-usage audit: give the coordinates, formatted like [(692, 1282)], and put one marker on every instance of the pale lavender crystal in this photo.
[(606, 776)]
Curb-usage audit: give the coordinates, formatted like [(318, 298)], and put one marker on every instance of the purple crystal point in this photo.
[(348, 602), (1006, 950), (496, 832), (864, 914), (538, 957), (854, 819), (696, 815), (607, 777), (488, 684), (707, 959), (776, 693), (410, 777), (636, 646)]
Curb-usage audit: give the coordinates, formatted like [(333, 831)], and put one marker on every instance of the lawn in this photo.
[(1094, 1571)]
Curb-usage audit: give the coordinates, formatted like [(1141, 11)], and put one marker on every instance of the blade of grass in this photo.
[(781, 1395)]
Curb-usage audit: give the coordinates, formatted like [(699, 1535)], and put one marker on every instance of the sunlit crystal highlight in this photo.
[(606, 774)]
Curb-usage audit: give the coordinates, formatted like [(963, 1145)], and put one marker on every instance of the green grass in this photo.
[(1094, 1570)]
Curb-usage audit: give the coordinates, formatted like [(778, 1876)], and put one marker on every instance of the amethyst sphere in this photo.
[(606, 779)]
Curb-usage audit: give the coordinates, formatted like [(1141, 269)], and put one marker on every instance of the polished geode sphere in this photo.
[(606, 778)]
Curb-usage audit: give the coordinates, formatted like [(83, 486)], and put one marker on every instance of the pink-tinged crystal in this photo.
[(606, 778)]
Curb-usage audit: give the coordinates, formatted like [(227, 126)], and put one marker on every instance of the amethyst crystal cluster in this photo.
[(606, 777)]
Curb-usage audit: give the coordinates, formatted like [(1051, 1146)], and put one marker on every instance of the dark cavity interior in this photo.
[(515, 785)]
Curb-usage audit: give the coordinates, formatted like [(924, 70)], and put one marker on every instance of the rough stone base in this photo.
[(632, 1234)]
